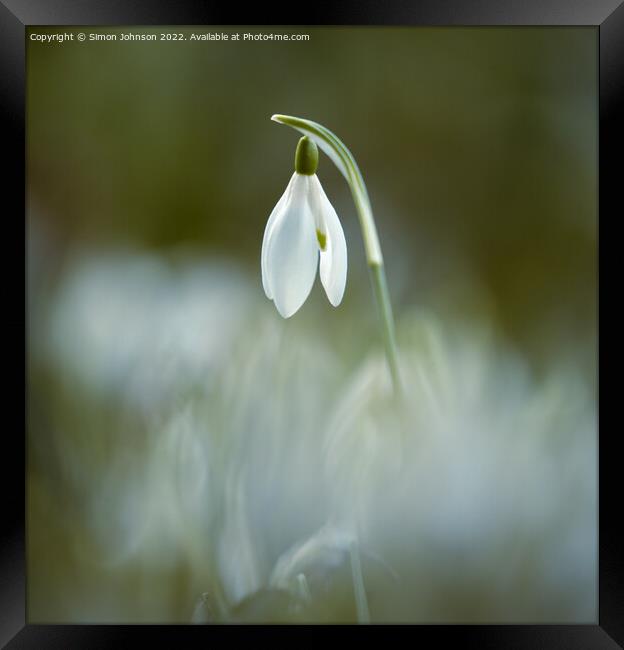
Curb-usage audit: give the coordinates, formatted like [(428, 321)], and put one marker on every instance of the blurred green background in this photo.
[(478, 146)]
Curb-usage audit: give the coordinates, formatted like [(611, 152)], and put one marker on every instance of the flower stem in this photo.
[(344, 160), (361, 602), (380, 289)]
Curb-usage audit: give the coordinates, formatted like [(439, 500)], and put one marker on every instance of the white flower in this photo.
[(302, 226)]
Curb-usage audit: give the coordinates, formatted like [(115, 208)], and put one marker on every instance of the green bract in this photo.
[(306, 157)]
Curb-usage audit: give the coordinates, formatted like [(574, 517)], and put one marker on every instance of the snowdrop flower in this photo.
[(296, 285), (302, 227)]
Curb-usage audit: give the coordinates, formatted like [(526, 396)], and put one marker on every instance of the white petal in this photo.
[(333, 269), (292, 251), (267, 232)]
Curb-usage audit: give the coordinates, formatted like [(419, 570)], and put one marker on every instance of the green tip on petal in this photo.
[(306, 157), (322, 239)]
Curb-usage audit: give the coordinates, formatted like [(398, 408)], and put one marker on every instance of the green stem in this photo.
[(361, 602), (344, 160), (380, 289)]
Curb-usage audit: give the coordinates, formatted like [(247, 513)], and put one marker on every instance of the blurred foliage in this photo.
[(478, 147), (183, 440), (191, 455)]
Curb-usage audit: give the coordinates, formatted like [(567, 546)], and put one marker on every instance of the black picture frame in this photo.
[(607, 16)]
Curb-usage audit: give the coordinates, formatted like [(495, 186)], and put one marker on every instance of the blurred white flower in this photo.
[(239, 566), (481, 501), (302, 224), (137, 328), (318, 554), (176, 444)]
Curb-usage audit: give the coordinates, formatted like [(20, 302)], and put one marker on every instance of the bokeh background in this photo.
[(191, 455)]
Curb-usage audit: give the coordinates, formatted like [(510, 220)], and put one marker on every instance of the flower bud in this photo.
[(306, 157)]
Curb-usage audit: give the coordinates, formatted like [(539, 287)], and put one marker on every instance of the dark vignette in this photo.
[(611, 563), (609, 14)]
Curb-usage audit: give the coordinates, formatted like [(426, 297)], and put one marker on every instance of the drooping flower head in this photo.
[(302, 228)]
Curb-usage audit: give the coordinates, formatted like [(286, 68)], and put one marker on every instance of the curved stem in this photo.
[(344, 160)]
